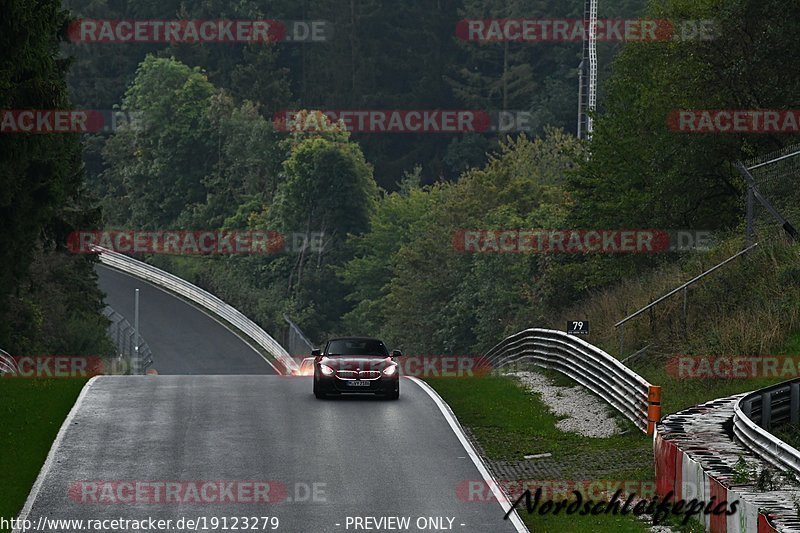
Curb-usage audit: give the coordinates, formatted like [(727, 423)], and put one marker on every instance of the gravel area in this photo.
[(585, 413)]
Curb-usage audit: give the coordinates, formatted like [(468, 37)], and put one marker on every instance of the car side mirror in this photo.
[(316, 352), (397, 353)]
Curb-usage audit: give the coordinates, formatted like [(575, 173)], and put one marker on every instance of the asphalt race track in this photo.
[(217, 448), (364, 457), (184, 340)]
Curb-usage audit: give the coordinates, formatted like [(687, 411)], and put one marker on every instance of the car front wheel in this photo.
[(318, 394)]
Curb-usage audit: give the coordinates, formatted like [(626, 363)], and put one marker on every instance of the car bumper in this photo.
[(377, 386)]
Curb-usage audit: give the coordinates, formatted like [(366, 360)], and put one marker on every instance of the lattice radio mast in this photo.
[(587, 83)]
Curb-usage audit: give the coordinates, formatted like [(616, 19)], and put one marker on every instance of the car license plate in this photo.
[(358, 383)]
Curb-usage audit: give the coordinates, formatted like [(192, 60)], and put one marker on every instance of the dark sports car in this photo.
[(356, 365)]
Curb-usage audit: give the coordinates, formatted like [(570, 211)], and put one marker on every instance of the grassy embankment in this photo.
[(31, 413), (750, 307)]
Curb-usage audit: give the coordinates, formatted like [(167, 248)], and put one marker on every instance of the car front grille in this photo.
[(364, 374)]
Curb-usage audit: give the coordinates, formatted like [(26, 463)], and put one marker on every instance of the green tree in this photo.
[(48, 299), (157, 168), (328, 190), (642, 174), (391, 227), (409, 281), (247, 168)]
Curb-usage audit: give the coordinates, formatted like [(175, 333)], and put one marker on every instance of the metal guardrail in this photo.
[(590, 366), (7, 363), (201, 297), (756, 413), (696, 456)]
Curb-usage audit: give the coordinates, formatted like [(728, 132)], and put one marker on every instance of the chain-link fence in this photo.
[(773, 197), (131, 347), (295, 342)]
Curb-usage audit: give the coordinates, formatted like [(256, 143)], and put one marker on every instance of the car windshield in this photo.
[(356, 347)]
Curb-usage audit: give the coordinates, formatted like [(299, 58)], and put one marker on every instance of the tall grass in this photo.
[(749, 307)]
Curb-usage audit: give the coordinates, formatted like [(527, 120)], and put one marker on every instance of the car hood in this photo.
[(346, 362)]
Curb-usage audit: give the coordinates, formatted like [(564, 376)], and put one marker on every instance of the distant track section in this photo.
[(183, 339), (202, 298)]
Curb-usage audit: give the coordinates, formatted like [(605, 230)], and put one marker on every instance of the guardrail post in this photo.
[(794, 403), (685, 302), (748, 233), (622, 340), (136, 322), (135, 355), (766, 410), (131, 335), (653, 408)]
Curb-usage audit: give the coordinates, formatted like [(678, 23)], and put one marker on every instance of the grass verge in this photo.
[(680, 393), (31, 413), (510, 422)]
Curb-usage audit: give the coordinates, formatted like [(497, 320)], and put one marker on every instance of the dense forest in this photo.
[(49, 301), (377, 55), (207, 155)]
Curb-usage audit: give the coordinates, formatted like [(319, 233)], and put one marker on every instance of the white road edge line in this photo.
[(203, 310), (37, 485), (476, 459)]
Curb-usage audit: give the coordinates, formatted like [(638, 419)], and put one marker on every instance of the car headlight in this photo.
[(390, 370), (326, 370)]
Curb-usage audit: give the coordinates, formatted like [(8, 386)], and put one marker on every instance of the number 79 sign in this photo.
[(577, 327)]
